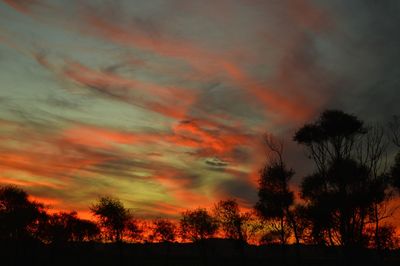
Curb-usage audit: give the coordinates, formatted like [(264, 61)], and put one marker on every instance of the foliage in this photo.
[(113, 217), (163, 231), (67, 227), (274, 197), (197, 225), (231, 220), (134, 230), (346, 185), (18, 214)]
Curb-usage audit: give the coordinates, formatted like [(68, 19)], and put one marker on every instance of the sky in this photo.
[(163, 104)]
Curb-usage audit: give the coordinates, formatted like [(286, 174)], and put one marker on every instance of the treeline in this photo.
[(345, 201), (22, 219)]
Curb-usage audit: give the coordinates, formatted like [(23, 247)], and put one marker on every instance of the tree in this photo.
[(85, 230), (387, 237), (394, 127), (275, 197), (395, 172), (65, 227), (18, 214), (371, 152), (163, 231), (348, 181), (231, 220), (113, 217), (331, 137), (197, 225), (134, 230)]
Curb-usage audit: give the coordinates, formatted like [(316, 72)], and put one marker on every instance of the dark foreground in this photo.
[(210, 253)]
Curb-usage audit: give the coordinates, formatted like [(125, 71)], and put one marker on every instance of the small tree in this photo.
[(68, 227), (112, 215), (163, 231), (134, 230), (231, 220), (85, 230), (275, 198), (197, 225)]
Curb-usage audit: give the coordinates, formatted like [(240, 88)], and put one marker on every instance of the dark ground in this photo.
[(210, 253)]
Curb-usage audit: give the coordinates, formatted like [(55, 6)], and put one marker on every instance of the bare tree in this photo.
[(394, 127), (371, 151), (275, 197)]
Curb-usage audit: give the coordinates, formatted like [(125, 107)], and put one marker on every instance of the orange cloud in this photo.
[(96, 137), (208, 136), (23, 6), (206, 63), (291, 109), (26, 183), (166, 100)]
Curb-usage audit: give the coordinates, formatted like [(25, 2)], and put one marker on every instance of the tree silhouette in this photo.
[(231, 220), (197, 225), (85, 230), (331, 137), (163, 231), (371, 152), (134, 230), (275, 198), (395, 172), (65, 227), (347, 183), (18, 215), (113, 217)]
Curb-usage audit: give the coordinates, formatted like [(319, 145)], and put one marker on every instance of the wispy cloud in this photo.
[(164, 104)]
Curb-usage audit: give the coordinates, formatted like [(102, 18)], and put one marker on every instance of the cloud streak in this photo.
[(165, 103)]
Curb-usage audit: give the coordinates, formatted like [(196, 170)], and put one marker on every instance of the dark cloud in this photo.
[(237, 188), (366, 45), (216, 163)]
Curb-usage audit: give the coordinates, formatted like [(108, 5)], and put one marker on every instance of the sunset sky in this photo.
[(163, 103)]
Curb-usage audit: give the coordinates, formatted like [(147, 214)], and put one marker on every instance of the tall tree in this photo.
[(275, 197), (346, 184), (371, 151), (113, 217)]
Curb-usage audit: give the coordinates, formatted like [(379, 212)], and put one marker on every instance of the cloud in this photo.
[(164, 103), (23, 6), (216, 163)]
